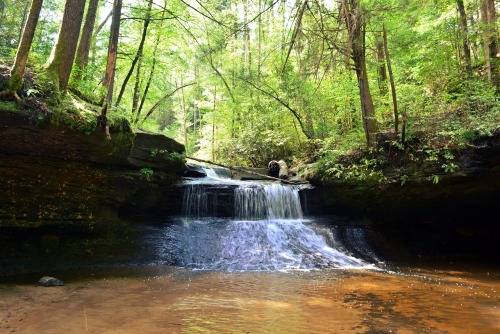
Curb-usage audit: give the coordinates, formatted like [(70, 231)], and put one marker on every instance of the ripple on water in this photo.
[(180, 300)]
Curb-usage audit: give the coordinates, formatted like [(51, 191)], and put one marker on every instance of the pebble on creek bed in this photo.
[(50, 281)]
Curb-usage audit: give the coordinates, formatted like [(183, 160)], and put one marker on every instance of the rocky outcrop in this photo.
[(52, 174), (456, 216)]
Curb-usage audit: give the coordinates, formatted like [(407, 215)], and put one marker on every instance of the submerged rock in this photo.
[(50, 281)]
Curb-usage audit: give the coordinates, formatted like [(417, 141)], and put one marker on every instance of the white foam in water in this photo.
[(211, 173), (269, 232), (276, 245)]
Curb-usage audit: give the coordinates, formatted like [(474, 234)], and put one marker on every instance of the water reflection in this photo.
[(333, 301)]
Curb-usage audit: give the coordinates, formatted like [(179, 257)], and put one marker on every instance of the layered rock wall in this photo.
[(53, 175)]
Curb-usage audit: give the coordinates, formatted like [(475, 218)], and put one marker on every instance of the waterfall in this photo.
[(262, 228), (267, 201), (199, 201)]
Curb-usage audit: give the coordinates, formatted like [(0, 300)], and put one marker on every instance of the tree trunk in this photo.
[(23, 23), (213, 124), (138, 54), (247, 56), (356, 41), (490, 38), (184, 115), (259, 50), (82, 53), (473, 42), (137, 87), (465, 37), (382, 74), (60, 63), (109, 77), (494, 46), (112, 52), (393, 85), (102, 24), (17, 72), (150, 78)]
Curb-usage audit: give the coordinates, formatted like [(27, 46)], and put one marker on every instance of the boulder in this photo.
[(278, 169), (50, 281)]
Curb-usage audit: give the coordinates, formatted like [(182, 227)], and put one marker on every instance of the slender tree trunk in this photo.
[(60, 63), (213, 124), (298, 26), (356, 40), (197, 92), (102, 24), (23, 23), (248, 51), (138, 54), (83, 50), (490, 42), (473, 42), (137, 87), (245, 38), (403, 129), (259, 56), (109, 77), (393, 85), (17, 72), (465, 37), (184, 115), (150, 79), (382, 74), (494, 46), (112, 52)]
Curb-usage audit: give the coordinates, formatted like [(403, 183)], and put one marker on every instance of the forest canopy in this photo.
[(247, 81)]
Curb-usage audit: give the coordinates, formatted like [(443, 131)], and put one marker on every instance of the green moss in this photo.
[(15, 82), (8, 106)]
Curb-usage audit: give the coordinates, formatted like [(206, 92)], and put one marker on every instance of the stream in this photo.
[(262, 268)]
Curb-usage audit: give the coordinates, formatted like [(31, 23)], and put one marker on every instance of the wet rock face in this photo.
[(455, 218), (52, 175)]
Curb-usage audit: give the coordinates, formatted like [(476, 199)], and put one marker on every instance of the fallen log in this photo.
[(244, 171)]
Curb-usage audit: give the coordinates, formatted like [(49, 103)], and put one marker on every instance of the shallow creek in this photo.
[(162, 299)]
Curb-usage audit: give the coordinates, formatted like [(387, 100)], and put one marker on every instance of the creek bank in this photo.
[(454, 219), (67, 194), (53, 175)]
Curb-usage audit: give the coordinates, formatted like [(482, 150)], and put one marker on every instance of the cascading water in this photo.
[(254, 201), (266, 230)]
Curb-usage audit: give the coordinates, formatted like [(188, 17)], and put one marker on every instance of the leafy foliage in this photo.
[(268, 85)]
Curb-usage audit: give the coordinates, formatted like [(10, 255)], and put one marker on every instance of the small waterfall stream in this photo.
[(263, 228), (267, 201)]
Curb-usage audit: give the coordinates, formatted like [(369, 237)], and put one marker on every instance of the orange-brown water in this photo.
[(172, 300)]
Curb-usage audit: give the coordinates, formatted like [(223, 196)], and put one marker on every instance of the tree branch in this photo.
[(157, 104), (283, 103)]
